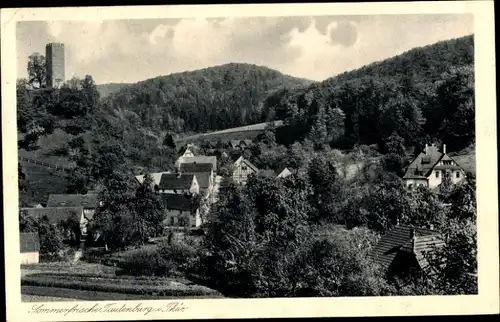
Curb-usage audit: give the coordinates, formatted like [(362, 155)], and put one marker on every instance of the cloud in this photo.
[(312, 47), (344, 33)]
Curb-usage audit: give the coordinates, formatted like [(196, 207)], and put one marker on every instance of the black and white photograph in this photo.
[(229, 157)]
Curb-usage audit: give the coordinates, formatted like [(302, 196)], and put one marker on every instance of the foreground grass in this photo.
[(70, 268), (55, 294)]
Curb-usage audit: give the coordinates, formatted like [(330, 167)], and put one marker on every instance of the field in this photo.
[(85, 281), (237, 133)]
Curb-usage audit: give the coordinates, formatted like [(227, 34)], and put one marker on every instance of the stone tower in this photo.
[(54, 61)]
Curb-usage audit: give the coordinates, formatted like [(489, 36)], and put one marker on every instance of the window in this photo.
[(410, 185), (244, 167), (437, 174), (458, 174)]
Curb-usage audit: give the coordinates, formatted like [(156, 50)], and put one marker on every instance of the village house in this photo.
[(431, 166), (178, 183), (181, 211), (404, 251), (87, 201), (61, 215), (205, 176), (242, 168), (30, 248)]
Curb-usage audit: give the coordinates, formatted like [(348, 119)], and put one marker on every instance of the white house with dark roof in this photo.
[(431, 166), (181, 211)]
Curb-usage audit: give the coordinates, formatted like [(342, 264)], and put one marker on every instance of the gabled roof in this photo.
[(29, 242), (196, 167), (88, 200), (399, 239), (426, 161), (156, 177), (203, 179), (177, 202), (248, 163), (236, 143), (176, 181), (199, 159), (284, 173), (55, 214)]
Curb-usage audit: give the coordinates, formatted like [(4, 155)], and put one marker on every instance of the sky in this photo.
[(318, 47)]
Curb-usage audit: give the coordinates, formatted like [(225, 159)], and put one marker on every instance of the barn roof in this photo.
[(88, 200), (176, 181), (399, 239), (199, 159), (177, 202), (29, 242), (196, 167), (55, 214)]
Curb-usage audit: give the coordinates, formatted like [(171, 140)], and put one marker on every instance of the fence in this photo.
[(45, 164)]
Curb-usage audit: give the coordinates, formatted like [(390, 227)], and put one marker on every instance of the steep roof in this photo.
[(199, 159), (196, 167), (55, 214), (29, 242), (177, 202), (176, 181), (399, 239), (203, 179), (88, 200), (248, 163), (156, 177), (284, 173), (426, 161)]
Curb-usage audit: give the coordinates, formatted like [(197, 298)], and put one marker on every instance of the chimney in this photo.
[(444, 148)]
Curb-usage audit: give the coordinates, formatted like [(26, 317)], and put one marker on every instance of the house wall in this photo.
[(195, 188), (241, 173), (410, 183), (436, 181), (30, 258), (175, 218)]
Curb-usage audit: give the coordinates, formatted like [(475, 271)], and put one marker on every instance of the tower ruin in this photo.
[(54, 61)]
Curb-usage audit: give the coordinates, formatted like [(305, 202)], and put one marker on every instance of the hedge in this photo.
[(105, 284)]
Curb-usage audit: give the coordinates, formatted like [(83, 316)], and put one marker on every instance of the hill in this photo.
[(408, 94), (111, 88), (204, 100)]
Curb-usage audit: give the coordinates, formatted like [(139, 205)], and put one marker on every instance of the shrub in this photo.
[(147, 261)]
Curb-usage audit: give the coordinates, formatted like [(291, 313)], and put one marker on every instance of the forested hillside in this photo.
[(111, 88), (426, 93), (205, 100)]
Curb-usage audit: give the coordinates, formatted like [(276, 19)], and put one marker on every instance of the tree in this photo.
[(51, 239), (455, 95), (395, 158), (36, 70), (319, 131), (325, 183), (148, 209), (169, 141)]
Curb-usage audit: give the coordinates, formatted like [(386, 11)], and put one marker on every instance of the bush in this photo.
[(147, 261)]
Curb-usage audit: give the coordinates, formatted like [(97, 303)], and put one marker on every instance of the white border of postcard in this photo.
[(487, 301)]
